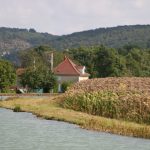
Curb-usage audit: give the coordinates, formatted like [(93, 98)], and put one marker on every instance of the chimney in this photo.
[(83, 70)]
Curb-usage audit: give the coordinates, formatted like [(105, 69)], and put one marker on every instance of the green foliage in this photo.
[(86, 56), (99, 60), (7, 75), (109, 63), (17, 108), (38, 74), (39, 56), (127, 55), (65, 86), (32, 30), (40, 77), (106, 62), (48, 80), (21, 39), (8, 90), (116, 37), (55, 89)]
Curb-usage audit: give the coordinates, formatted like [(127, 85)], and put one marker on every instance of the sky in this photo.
[(67, 16)]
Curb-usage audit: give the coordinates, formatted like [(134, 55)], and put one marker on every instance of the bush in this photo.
[(65, 86), (55, 89), (7, 90), (7, 76), (17, 108)]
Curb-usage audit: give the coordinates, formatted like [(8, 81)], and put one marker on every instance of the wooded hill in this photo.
[(115, 37), (12, 39)]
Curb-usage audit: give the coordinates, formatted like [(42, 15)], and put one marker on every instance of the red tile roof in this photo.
[(67, 67)]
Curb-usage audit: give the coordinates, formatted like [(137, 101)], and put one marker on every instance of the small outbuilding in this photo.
[(68, 71)]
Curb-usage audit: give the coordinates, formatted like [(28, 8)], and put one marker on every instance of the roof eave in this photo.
[(67, 74)]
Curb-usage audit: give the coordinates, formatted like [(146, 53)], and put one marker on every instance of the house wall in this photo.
[(83, 78), (62, 79)]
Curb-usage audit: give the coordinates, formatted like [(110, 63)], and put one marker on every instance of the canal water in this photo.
[(23, 131)]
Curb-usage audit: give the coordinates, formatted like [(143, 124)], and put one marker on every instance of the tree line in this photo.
[(107, 62), (100, 61)]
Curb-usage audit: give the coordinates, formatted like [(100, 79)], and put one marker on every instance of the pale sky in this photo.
[(68, 16)]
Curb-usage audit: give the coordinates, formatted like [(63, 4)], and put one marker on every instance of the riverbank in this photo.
[(50, 108)]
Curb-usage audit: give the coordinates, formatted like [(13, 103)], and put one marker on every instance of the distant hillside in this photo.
[(13, 39), (112, 37)]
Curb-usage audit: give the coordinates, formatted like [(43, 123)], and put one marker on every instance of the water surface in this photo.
[(23, 131)]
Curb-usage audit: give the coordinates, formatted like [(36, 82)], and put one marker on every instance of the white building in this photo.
[(67, 71)]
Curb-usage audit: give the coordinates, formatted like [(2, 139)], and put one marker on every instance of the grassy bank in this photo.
[(50, 108)]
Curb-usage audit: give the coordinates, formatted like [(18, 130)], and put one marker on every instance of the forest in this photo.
[(14, 39), (100, 61)]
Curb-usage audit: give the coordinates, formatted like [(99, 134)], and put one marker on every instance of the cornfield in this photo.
[(120, 98), (112, 84)]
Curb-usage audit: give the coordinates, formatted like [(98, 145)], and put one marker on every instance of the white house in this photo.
[(67, 71)]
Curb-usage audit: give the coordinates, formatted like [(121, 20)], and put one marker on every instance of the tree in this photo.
[(109, 63), (39, 56), (7, 75), (32, 30), (86, 56), (36, 78), (29, 58)]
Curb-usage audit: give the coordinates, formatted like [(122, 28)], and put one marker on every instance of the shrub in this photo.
[(55, 89), (17, 108), (7, 90), (65, 86)]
